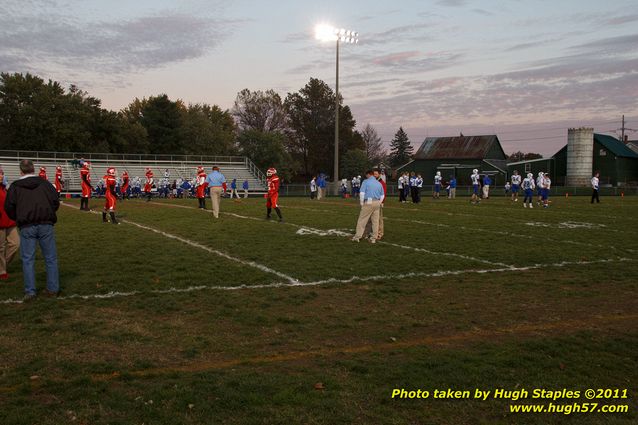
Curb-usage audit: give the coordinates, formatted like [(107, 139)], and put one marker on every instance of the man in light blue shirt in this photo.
[(370, 197), (217, 184)]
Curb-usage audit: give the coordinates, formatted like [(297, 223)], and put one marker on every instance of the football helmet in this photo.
[(271, 172)]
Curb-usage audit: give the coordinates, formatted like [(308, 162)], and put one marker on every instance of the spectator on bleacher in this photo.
[(137, 186), (233, 189), (217, 184), (245, 187), (33, 203), (313, 187), (186, 188), (9, 236)]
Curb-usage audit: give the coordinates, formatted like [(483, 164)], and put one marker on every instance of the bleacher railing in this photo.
[(139, 158)]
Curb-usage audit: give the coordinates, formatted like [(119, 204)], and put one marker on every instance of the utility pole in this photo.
[(622, 137)]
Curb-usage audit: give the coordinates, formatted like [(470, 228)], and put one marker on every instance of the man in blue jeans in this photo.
[(32, 203)]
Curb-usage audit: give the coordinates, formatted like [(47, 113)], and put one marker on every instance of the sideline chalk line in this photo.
[(400, 276)]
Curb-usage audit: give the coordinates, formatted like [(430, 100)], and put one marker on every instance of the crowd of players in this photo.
[(112, 187)]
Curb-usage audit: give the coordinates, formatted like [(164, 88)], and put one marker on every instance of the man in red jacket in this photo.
[(273, 194), (110, 196), (9, 236), (85, 176)]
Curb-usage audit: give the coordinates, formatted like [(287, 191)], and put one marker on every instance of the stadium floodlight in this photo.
[(326, 32)]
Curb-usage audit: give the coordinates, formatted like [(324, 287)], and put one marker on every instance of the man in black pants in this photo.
[(594, 185)]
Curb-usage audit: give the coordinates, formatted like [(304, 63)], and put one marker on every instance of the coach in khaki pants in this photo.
[(371, 197), (9, 236), (217, 184)]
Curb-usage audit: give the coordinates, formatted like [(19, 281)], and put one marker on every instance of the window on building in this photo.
[(602, 152), (528, 167)]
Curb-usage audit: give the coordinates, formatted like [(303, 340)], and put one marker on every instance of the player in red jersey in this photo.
[(124, 186), (110, 196), (43, 173), (200, 187), (85, 176), (59, 182), (273, 194), (149, 184)]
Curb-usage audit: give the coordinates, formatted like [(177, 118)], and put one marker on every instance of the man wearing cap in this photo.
[(217, 184)]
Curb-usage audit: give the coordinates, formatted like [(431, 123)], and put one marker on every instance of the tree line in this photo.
[(294, 134)]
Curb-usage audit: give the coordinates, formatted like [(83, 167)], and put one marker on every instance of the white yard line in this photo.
[(330, 281), (205, 248)]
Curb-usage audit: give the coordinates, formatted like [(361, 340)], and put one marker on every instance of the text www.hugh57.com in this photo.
[(568, 409)]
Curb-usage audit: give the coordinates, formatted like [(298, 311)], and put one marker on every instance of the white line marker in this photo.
[(352, 279)]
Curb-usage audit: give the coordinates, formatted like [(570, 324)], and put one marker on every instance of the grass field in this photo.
[(174, 318)]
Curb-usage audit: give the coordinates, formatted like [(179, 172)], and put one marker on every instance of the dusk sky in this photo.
[(525, 70)]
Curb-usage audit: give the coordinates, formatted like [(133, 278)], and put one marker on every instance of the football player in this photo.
[(200, 187), (43, 173), (148, 184), (59, 182), (110, 196), (125, 184), (516, 184), (476, 187), (85, 177), (528, 188), (273, 194)]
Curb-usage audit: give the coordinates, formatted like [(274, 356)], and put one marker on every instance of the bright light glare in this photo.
[(325, 32)]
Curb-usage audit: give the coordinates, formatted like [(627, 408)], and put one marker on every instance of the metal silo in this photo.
[(580, 155)]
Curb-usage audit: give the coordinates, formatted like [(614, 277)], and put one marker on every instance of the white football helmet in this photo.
[(530, 175), (438, 173), (475, 171), (271, 172)]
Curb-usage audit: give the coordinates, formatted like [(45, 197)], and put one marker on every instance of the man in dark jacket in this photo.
[(32, 203)]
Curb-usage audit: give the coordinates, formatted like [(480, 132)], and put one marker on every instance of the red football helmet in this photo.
[(58, 168), (271, 172), (149, 172), (110, 171), (43, 168), (86, 165), (125, 173), (200, 169)]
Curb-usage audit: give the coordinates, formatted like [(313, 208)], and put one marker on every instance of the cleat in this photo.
[(355, 240)]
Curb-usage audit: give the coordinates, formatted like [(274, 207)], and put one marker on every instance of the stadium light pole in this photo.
[(324, 32)]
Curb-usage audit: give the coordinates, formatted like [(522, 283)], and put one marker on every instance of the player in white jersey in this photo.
[(516, 184), (539, 187), (547, 185), (528, 190), (437, 185), (476, 187)]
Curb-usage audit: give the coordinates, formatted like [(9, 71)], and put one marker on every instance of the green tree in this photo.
[(207, 130), (400, 149), (353, 163), (520, 156), (163, 120), (267, 149), (262, 111), (375, 152), (311, 113)]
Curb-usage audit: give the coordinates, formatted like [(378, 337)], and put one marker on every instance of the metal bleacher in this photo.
[(179, 166)]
